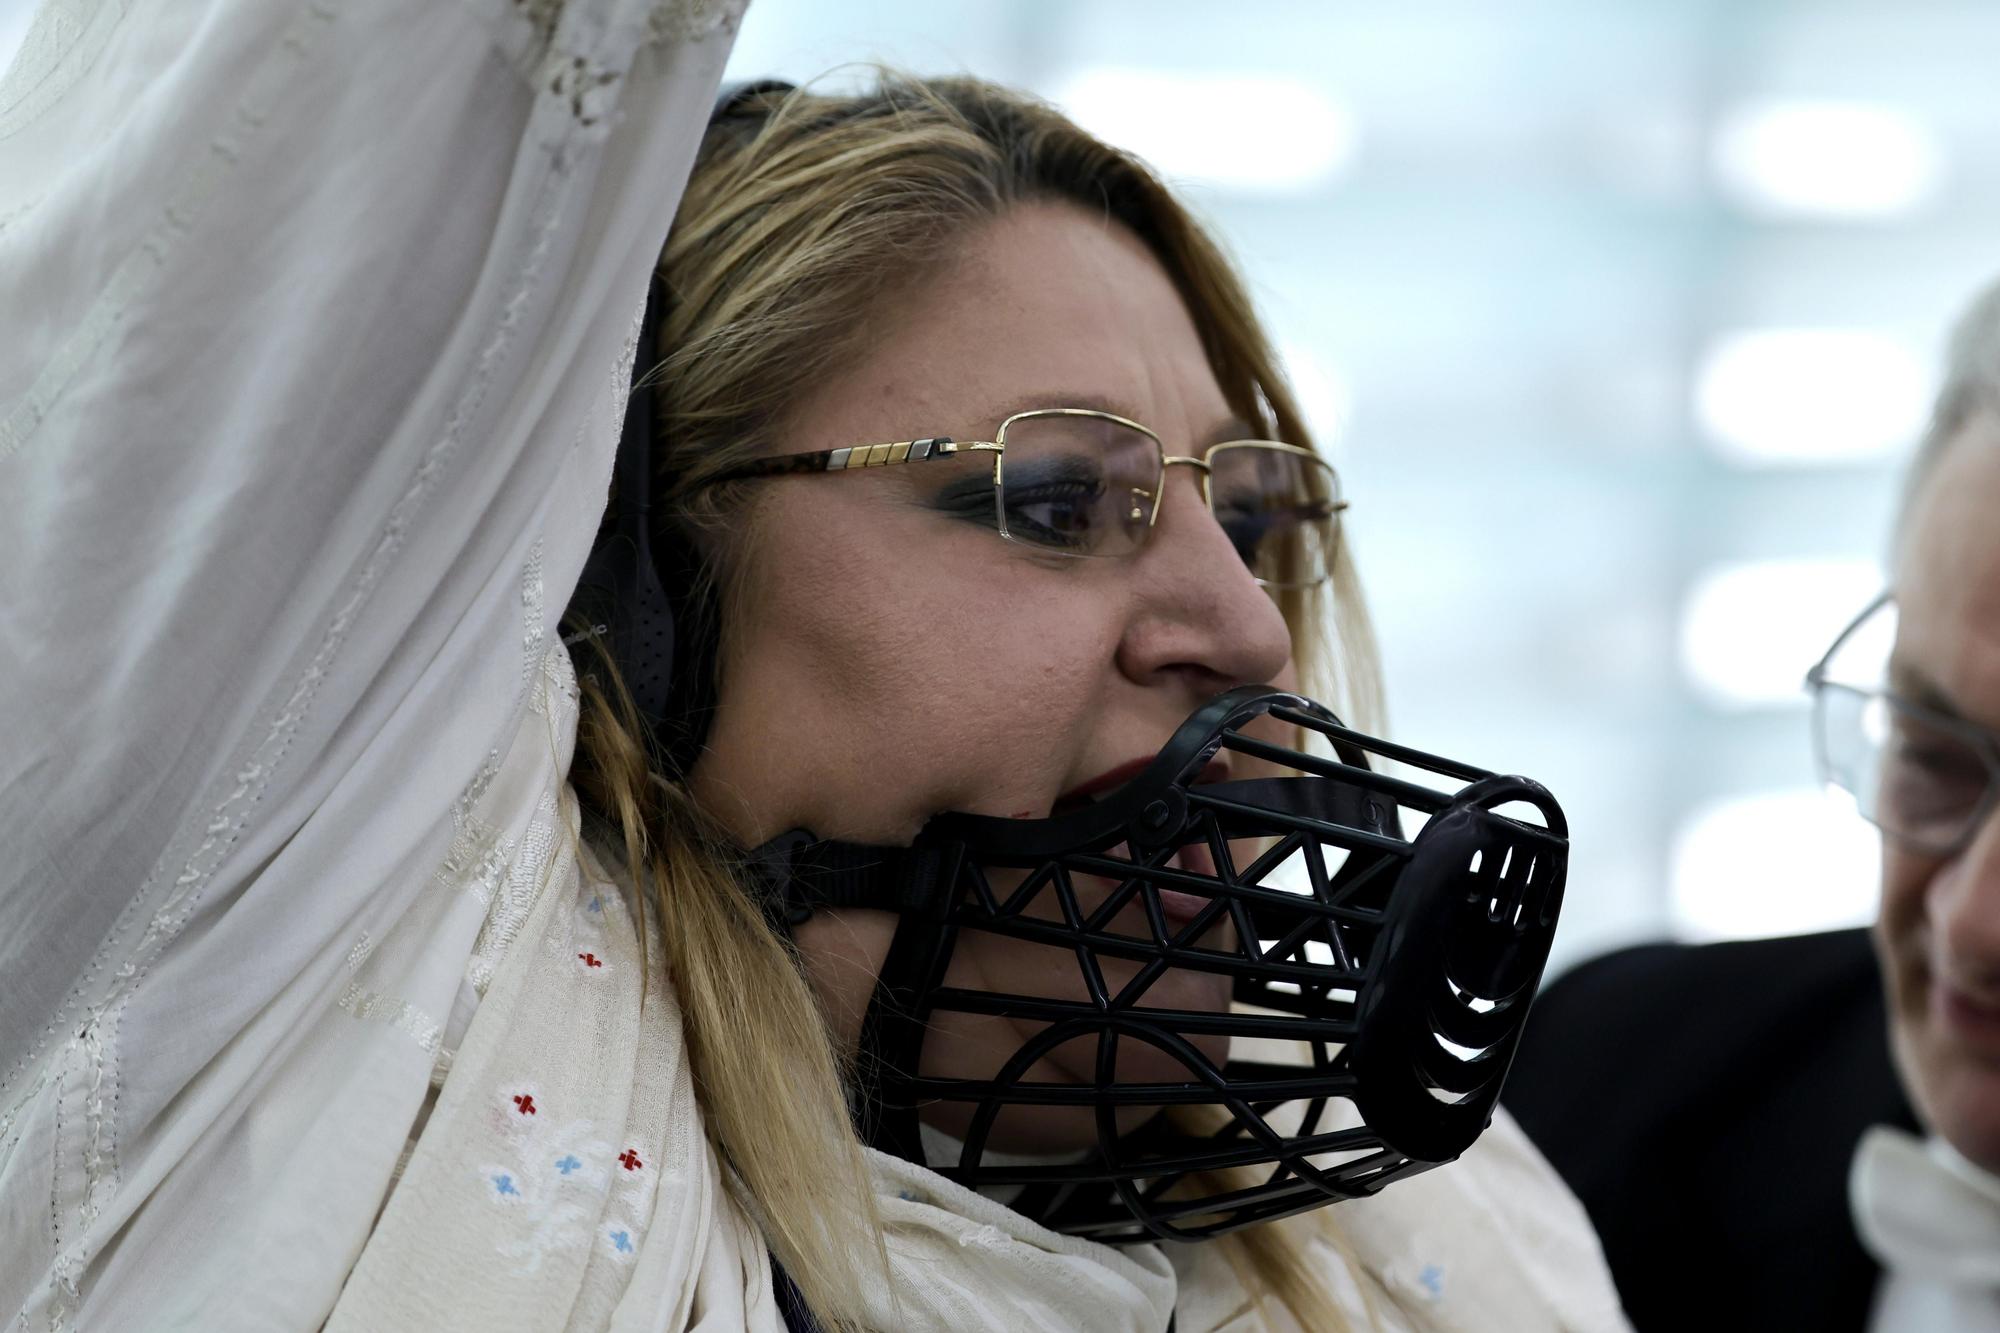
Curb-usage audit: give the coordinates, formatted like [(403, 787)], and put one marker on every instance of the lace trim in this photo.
[(61, 45), (534, 635), (692, 20), (666, 20), (378, 1007), (580, 56)]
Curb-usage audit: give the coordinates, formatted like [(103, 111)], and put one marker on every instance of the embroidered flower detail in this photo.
[(596, 903), (591, 960), (621, 1240), (524, 1102), (503, 1185), (629, 1159), (1432, 1279), (568, 1163)]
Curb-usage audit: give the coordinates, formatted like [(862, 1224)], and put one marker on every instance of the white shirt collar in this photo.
[(1924, 1211)]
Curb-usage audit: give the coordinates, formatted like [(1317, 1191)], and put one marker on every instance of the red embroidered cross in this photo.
[(524, 1103), (591, 960), (631, 1160)]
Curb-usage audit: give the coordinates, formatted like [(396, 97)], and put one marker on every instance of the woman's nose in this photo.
[(1201, 615)]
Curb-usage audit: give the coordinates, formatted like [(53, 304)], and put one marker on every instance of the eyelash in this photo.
[(973, 503), (967, 501), (1048, 492)]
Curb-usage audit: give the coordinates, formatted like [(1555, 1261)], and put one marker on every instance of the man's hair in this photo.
[(1971, 386)]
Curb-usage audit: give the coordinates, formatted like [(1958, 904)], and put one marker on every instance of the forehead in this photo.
[(1948, 573), (1046, 306)]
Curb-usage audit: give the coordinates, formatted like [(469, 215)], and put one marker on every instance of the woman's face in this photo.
[(892, 657)]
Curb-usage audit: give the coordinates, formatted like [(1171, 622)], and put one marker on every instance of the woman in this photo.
[(380, 1026)]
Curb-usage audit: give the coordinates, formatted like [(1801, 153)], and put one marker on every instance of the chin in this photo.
[(1039, 1131), (1957, 1093), (1055, 1130), (1142, 1061)]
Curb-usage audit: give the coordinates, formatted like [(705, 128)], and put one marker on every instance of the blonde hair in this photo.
[(800, 209)]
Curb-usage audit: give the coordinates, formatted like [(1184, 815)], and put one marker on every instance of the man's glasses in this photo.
[(1080, 482), (1926, 779)]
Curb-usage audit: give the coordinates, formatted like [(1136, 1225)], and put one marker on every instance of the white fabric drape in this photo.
[(311, 384), (319, 321), (1932, 1219)]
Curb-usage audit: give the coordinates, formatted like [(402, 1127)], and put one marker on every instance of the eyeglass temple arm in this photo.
[(856, 456), (1817, 676)]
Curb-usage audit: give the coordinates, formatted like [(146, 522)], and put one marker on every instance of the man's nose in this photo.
[(1963, 904)]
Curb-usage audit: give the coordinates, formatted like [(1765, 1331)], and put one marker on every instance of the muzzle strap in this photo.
[(796, 874)]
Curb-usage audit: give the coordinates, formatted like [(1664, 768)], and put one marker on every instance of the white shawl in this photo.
[(315, 314), (308, 401)]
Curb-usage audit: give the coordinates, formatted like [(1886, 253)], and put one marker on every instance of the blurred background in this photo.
[(1619, 321)]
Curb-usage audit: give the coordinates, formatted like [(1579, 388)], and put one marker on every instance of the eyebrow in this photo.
[(1230, 428), (1911, 682)]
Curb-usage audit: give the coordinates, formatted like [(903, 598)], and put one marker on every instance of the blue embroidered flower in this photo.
[(1433, 1279), (504, 1184), (596, 903), (568, 1164), (623, 1241)]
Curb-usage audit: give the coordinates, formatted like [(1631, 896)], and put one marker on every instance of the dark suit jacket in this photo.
[(1704, 1102)]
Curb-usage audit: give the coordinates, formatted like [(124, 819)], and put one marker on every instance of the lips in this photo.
[(1084, 793), (1180, 908), (1176, 906), (1974, 1022)]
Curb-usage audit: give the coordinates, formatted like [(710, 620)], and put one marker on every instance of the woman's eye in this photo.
[(1941, 761), (1928, 778), (1063, 514), (1247, 530)]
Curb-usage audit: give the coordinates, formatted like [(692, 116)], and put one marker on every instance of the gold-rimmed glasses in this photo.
[(1082, 482)]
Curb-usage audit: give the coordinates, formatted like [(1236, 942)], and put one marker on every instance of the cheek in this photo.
[(874, 689), (1902, 935), (1905, 878), (999, 684)]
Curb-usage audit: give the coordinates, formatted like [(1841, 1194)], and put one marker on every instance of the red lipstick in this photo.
[(1111, 778)]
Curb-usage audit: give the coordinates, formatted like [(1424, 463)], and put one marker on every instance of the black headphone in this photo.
[(648, 601)]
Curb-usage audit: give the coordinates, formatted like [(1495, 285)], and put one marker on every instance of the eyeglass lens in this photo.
[(1088, 485), (1916, 779)]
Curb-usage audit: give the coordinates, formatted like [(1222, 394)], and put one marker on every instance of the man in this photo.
[(1762, 1141)]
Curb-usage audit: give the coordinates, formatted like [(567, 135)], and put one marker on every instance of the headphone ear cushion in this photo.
[(649, 602), (675, 632), (662, 643), (621, 594), (644, 641), (734, 99)]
